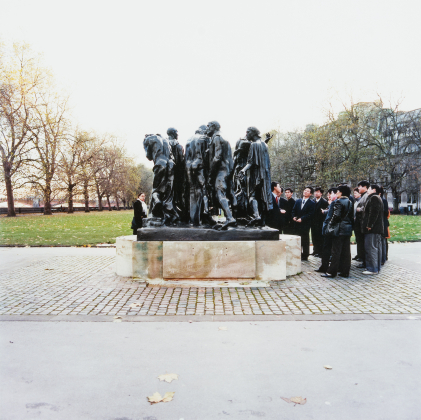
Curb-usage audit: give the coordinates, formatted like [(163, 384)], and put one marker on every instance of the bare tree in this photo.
[(397, 145), (20, 77), (48, 131), (76, 151)]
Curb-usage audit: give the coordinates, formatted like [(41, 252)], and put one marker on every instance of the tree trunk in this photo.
[(47, 201), (86, 196), (99, 198), (70, 204), (395, 200), (108, 201), (116, 200), (9, 192)]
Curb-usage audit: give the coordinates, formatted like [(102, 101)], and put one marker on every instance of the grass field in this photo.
[(66, 229), (80, 229)]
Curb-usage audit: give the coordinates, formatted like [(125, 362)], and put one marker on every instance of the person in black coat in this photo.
[(373, 228), (288, 205), (342, 222), (327, 240), (386, 235), (317, 223), (273, 217), (140, 212), (302, 215)]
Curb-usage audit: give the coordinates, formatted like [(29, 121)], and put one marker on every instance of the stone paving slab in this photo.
[(87, 285)]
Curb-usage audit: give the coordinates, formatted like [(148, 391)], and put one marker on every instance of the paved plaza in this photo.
[(85, 284), (231, 362)]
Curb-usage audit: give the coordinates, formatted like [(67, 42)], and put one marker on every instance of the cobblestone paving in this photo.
[(88, 286)]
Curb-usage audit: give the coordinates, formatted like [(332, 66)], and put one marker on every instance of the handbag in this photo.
[(334, 230)]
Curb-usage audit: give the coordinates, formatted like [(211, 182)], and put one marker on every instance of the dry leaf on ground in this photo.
[(295, 400), (135, 305), (168, 377), (327, 367), (156, 398), (223, 328), (168, 396)]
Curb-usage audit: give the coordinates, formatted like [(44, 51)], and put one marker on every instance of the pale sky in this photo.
[(136, 67)]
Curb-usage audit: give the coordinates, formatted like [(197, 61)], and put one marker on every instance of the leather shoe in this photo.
[(328, 275), (361, 266), (343, 275), (320, 270), (357, 258)]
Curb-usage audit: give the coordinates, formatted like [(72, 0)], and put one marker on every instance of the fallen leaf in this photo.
[(223, 328), (295, 400), (155, 398), (168, 377), (168, 396), (327, 367), (135, 305)]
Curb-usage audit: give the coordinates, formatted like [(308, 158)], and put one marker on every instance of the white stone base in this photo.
[(293, 251), (217, 263)]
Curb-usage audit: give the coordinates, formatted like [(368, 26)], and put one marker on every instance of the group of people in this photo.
[(332, 222)]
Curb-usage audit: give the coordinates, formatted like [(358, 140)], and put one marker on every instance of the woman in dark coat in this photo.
[(342, 223)]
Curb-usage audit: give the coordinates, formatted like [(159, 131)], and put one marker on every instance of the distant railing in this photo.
[(27, 210)]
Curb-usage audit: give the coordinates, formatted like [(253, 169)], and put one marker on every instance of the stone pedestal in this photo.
[(293, 251), (161, 262), (124, 255)]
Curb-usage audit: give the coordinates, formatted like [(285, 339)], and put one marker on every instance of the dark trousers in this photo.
[(359, 238), (341, 255), (326, 252), (317, 238), (373, 249), (305, 242), (385, 249)]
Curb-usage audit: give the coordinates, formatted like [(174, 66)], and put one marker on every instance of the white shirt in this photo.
[(144, 206)]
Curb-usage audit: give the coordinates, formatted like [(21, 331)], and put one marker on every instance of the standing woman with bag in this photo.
[(340, 227)]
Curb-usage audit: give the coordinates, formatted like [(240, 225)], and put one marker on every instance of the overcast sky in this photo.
[(136, 67)]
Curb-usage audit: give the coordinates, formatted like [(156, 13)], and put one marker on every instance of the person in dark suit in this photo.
[(302, 215), (317, 223), (327, 240), (140, 212), (282, 204), (288, 228), (273, 217)]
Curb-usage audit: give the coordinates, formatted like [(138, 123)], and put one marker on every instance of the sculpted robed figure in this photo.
[(158, 150), (258, 165)]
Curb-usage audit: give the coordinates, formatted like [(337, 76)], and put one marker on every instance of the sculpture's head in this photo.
[(172, 132), (213, 127), (253, 134), (201, 130)]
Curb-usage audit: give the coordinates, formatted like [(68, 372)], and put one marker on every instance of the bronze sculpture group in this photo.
[(190, 187)]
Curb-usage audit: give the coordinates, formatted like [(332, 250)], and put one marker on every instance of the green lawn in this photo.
[(66, 229), (103, 227), (405, 228)]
